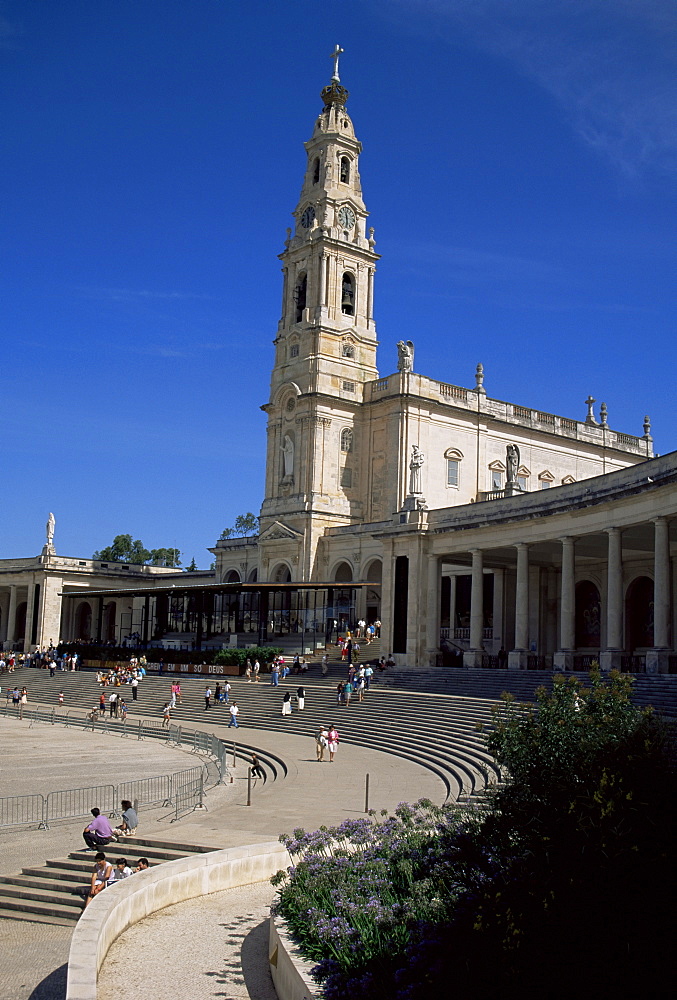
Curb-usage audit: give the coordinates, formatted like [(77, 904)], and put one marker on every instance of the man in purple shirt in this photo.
[(98, 832)]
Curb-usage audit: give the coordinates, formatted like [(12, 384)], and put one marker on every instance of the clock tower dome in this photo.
[(325, 348)]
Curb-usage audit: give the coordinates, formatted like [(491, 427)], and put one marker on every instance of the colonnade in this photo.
[(547, 586)]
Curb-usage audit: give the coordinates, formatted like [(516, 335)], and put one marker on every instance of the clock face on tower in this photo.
[(308, 217), (346, 217)]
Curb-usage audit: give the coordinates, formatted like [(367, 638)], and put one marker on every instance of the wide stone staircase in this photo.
[(51, 894), (438, 732)]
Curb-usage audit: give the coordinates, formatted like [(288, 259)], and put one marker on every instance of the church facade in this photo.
[(476, 530), (377, 478)]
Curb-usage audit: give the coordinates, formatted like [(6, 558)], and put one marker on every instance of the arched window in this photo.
[(316, 170), (232, 576), (300, 296), (346, 439), (345, 170), (453, 458), (588, 615), (348, 295)]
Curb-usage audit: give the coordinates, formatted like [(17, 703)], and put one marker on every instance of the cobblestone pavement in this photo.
[(33, 960), (225, 937)]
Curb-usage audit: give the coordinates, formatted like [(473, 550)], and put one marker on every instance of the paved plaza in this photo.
[(41, 758)]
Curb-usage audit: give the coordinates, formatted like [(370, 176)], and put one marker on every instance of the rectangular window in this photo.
[(522, 482), (294, 351), (545, 485), (349, 387), (496, 479), (346, 478), (452, 472)]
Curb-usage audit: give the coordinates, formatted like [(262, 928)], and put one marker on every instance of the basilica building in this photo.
[(479, 532)]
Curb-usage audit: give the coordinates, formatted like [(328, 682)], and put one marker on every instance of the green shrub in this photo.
[(239, 657)]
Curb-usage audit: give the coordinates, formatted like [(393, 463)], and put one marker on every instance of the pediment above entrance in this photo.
[(279, 530)]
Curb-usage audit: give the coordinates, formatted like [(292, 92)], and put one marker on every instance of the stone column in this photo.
[(497, 611), (11, 615), (473, 656), (564, 658), (657, 658), (517, 658), (610, 658), (322, 292), (452, 605), (433, 598)]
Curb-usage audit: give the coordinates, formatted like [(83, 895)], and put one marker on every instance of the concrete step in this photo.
[(50, 894), (31, 908), (34, 918)]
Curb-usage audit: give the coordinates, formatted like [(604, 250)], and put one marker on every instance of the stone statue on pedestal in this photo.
[(48, 548), (512, 461), (405, 356), (417, 460), (288, 451)]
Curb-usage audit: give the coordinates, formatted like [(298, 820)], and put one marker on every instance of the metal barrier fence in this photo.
[(78, 801), (148, 790), (188, 792), (22, 810), (184, 789)]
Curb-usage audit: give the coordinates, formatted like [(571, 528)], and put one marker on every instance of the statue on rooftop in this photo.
[(405, 356)]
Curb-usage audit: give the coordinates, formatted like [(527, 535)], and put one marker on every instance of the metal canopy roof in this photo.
[(221, 588)]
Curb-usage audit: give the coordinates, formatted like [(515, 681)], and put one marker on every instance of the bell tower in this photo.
[(325, 348)]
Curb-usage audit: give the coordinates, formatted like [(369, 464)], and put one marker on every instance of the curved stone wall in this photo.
[(125, 903)]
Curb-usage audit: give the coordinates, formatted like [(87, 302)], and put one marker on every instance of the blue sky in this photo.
[(519, 164)]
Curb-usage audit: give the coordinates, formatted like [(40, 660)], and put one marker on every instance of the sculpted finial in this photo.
[(335, 56)]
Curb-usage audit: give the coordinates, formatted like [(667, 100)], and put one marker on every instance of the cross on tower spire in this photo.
[(335, 56)]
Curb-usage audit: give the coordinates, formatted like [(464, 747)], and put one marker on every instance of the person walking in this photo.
[(275, 674), (208, 697), (226, 692), (321, 742), (166, 715), (325, 665), (255, 767), (301, 697), (23, 701), (234, 712), (112, 704), (286, 703), (135, 687), (102, 704), (248, 671), (218, 694), (257, 668), (123, 710), (340, 691), (347, 691), (368, 674), (359, 688), (60, 697), (332, 742)]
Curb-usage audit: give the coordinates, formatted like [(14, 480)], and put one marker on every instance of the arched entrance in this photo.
[(588, 615), (83, 621), (344, 597), (20, 626), (109, 620), (232, 576), (373, 597), (639, 614)]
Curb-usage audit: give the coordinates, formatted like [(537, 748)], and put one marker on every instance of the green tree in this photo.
[(193, 566), (165, 557), (124, 549), (245, 525), (128, 550)]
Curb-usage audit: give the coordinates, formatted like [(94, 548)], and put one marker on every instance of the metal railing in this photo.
[(22, 810), (184, 790)]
